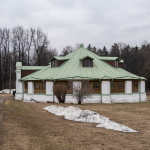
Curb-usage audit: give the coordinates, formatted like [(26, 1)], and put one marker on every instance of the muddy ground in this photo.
[(27, 126)]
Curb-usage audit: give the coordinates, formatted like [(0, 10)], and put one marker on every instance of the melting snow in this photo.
[(29, 100), (6, 91), (76, 114)]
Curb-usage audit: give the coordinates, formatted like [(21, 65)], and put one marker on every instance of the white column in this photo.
[(141, 89), (105, 90), (49, 91), (128, 87), (18, 95), (18, 83), (142, 86), (30, 87), (49, 88), (128, 91), (76, 84)]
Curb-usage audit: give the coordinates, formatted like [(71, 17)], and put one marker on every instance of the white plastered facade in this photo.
[(19, 90), (105, 97)]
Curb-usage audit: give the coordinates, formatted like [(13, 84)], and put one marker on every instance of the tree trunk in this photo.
[(79, 102), (10, 81)]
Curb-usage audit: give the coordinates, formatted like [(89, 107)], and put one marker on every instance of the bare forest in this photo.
[(136, 59), (29, 46), (32, 48)]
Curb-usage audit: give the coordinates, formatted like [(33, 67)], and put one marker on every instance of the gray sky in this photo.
[(67, 22)]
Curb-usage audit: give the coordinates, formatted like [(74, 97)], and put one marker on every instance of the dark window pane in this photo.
[(52, 63), (43, 85), (89, 63), (56, 63), (37, 85), (85, 63)]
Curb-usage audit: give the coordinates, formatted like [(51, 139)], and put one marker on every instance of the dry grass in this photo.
[(28, 127), (6, 95)]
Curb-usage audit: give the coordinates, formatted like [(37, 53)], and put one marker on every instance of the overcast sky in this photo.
[(67, 22)]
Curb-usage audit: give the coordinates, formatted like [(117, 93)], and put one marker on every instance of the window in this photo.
[(96, 88), (96, 85), (85, 85), (39, 87), (116, 64), (69, 86), (87, 63), (113, 85), (54, 63), (26, 87), (134, 86), (118, 87)]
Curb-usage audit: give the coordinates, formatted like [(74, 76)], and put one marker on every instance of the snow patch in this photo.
[(6, 91), (76, 114), (29, 100)]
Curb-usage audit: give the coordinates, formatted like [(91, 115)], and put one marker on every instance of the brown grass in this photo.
[(27, 126), (6, 95)]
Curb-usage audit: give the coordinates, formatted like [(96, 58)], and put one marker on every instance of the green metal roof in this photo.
[(32, 67), (86, 57), (73, 69), (121, 61), (59, 58), (109, 58), (18, 64)]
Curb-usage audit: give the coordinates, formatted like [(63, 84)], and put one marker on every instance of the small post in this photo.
[(10, 81)]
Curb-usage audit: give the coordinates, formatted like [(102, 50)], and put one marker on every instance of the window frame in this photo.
[(26, 87), (117, 88), (116, 64), (135, 88), (87, 62), (54, 63), (41, 89)]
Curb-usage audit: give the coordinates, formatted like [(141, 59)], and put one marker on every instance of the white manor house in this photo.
[(110, 83)]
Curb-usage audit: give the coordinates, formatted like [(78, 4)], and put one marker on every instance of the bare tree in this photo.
[(6, 55), (19, 42), (68, 49), (60, 90), (1, 42), (40, 44), (29, 41), (81, 90)]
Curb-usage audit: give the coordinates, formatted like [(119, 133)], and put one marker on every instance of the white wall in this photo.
[(105, 87), (18, 83), (143, 97), (142, 86), (94, 99), (18, 95), (105, 90), (71, 99), (128, 86), (106, 98), (30, 87), (49, 87)]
